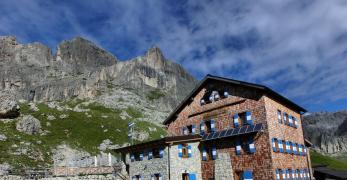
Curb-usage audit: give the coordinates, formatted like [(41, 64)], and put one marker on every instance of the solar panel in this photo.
[(222, 134), (249, 129), (258, 127), (232, 132), (204, 136), (236, 131), (229, 132), (243, 129), (216, 134), (209, 137)]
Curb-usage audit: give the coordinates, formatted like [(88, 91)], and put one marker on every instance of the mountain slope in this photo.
[(327, 131), (81, 99)]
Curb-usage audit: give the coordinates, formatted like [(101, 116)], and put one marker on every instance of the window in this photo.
[(137, 156), (156, 176), (214, 95), (136, 177), (291, 147), (156, 153), (243, 175), (207, 126), (242, 119), (209, 153), (279, 116), (286, 119), (185, 176), (185, 151), (190, 129)]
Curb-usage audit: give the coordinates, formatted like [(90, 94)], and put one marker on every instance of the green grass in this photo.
[(155, 94), (319, 159), (77, 130)]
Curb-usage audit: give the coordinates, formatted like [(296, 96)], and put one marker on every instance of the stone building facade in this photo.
[(170, 162), (247, 131)]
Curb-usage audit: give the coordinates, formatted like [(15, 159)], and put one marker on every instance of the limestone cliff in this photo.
[(82, 69), (327, 131)]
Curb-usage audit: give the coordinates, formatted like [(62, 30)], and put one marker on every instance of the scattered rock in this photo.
[(3, 137), (33, 107), (4, 168), (107, 144), (50, 117), (63, 116), (140, 135), (124, 115), (8, 106), (79, 109), (29, 125), (152, 129), (48, 124), (55, 105), (104, 116)]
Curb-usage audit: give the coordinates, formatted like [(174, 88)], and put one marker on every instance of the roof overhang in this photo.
[(160, 142)]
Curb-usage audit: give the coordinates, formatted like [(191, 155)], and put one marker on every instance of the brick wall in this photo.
[(284, 132), (264, 110)]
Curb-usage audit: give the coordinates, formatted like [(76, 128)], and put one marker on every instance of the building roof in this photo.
[(209, 78), (160, 142)]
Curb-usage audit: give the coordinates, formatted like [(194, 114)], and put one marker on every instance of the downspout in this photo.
[(168, 160), (308, 155)]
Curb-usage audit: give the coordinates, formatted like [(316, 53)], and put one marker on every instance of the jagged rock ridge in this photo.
[(327, 131), (82, 69)]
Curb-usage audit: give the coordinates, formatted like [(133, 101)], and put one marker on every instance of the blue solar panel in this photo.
[(236, 131), (250, 129), (258, 127), (223, 133), (204, 136), (229, 132), (209, 136), (243, 129), (232, 132), (216, 134)]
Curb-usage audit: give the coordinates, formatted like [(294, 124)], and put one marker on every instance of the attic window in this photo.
[(214, 95)]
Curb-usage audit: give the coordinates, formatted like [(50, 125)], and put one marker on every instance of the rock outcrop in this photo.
[(327, 131), (29, 125), (81, 69), (8, 106)]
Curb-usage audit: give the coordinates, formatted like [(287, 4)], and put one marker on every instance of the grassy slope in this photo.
[(319, 159), (78, 130)]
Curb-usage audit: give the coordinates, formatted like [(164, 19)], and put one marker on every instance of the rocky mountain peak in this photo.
[(83, 55), (155, 58)]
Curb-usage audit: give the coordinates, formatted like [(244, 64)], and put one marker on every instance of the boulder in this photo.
[(8, 106), (29, 125), (3, 137)]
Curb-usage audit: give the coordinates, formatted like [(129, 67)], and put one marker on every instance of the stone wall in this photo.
[(179, 165), (222, 173), (146, 168)]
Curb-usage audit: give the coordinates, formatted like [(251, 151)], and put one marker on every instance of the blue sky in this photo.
[(298, 48)]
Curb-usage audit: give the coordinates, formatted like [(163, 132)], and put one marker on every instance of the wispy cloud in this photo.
[(297, 47)]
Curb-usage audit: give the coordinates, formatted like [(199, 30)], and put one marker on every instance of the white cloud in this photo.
[(297, 47)]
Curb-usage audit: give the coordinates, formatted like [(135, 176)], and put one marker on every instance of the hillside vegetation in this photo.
[(83, 129), (318, 159)]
